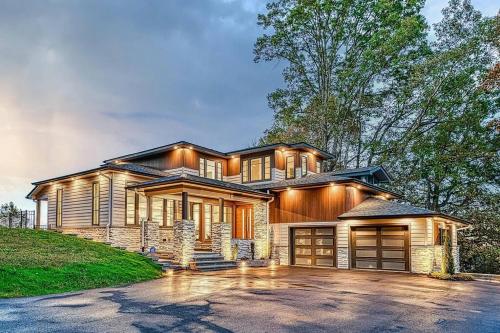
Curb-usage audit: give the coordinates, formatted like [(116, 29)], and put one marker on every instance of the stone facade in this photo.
[(422, 259), (244, 247), (97, 234), (151, 235), (221, 239), (456, 258), (184, 241), (260, 231), (343, 257), (128, 237), (166, 242)]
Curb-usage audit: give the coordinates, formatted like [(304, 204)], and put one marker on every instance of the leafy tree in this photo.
[(10, 208), (342, 57), (447, 262)]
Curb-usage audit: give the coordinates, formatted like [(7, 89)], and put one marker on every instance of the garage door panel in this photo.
[(380, 247), (314, 246)]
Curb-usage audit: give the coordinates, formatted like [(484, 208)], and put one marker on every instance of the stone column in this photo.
[(260, 230), (184, 240), (152, 235), (221, 239), (454, 247)]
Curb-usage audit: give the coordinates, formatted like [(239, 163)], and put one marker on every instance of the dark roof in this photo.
[(199, 180), (136, 168), (298, 145), (165, 148), (324, 178), (379, 208), (370, 170), (185, 144)]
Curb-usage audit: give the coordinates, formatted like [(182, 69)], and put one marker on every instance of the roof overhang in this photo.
[(445, 217), (283, 146)]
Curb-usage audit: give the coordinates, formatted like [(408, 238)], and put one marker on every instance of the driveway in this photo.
[(264, 300)]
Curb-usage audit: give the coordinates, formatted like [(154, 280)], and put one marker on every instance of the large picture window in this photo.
[(59, 202), (290, 166), (210, 169), (256, 169), (95, 203)]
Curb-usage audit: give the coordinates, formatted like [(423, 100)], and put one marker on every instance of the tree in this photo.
[(447, 262), (9, 209), (342, 58)]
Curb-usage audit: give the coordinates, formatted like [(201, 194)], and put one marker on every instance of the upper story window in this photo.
[(303, 165), (256, 169), (210, 169), (318, 166), (290, 166)]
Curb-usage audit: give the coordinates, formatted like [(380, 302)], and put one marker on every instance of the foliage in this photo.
[(10, 208), (378, 89), (447, 262), (34, 262), (451, 277)]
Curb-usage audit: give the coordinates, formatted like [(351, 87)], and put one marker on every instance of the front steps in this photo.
[(204, 261)]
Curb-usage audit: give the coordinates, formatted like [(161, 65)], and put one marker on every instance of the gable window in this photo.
[(95, 203), (210, 169), (318, 166), (256, 169), (303, 165), (59, 198), (290, 166)]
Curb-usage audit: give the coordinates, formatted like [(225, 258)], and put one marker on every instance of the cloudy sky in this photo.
[(82, 81)]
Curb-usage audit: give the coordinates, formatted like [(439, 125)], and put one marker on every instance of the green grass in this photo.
[(454, 277), (35, 262)]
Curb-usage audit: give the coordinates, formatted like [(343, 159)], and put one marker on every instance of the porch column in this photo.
[(37, 214), (184, 236), (152, 226), (260, 230), (221, 234)]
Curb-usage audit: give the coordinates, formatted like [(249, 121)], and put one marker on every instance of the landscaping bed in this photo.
[(35, 262)]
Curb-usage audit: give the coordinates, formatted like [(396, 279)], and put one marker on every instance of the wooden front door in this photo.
[(243, 225), (380, 247)]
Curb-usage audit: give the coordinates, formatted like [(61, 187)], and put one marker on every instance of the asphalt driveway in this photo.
[(265, 300)]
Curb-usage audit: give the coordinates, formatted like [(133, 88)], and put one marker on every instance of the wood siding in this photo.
[(314, 205)]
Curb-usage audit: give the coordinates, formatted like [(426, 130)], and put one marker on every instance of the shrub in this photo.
[(451, 277)]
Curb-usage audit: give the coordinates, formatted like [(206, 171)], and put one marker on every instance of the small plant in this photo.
[(451, 277)]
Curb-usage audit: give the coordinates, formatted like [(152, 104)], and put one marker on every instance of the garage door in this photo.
[(313, 246), (380, 248)]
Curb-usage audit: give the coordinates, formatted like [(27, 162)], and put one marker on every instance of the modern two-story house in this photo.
[(272, 201)]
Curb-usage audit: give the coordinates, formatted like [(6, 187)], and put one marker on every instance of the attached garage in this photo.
[(380, 247), (313, 246)]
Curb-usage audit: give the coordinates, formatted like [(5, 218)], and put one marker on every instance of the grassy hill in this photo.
[(35, 262)]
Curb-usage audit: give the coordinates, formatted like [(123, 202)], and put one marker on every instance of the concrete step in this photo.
[(208, 258), (213, 263), (218, 267)]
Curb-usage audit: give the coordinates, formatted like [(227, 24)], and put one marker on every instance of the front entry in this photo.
[(381, 247), (313, 246)]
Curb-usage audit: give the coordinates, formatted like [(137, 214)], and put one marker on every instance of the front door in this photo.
[(243, 227)]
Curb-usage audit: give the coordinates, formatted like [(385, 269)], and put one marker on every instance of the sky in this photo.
[(84, 81)]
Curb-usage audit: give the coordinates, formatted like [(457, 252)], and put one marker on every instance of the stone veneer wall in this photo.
[(184, 241), (152, 235), (221, 239), (456, 257), (244, 248), (260, 230), (422, 259), (127, 237), (97, 234), (166, 242)]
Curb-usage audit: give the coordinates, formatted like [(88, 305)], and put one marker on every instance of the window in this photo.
[(303, 165), (210, 169), (168, 206), (95, 203), (178, 210), (59, 202), (132, 207), (215, 214), (207, 221), (267, 167), (290, 167), (157, 211), (244, 171), (256, 169), (318, 166), (219, 171), (228, 214)]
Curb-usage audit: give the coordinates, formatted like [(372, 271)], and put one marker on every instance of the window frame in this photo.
[(59, 206), (203, 166), (292, 157), (96, 203), (303, 171), (246, 169)]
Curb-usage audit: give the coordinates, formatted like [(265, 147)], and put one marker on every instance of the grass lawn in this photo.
[(35, 262)]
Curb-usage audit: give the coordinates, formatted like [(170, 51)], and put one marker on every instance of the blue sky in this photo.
[(83, 81)]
